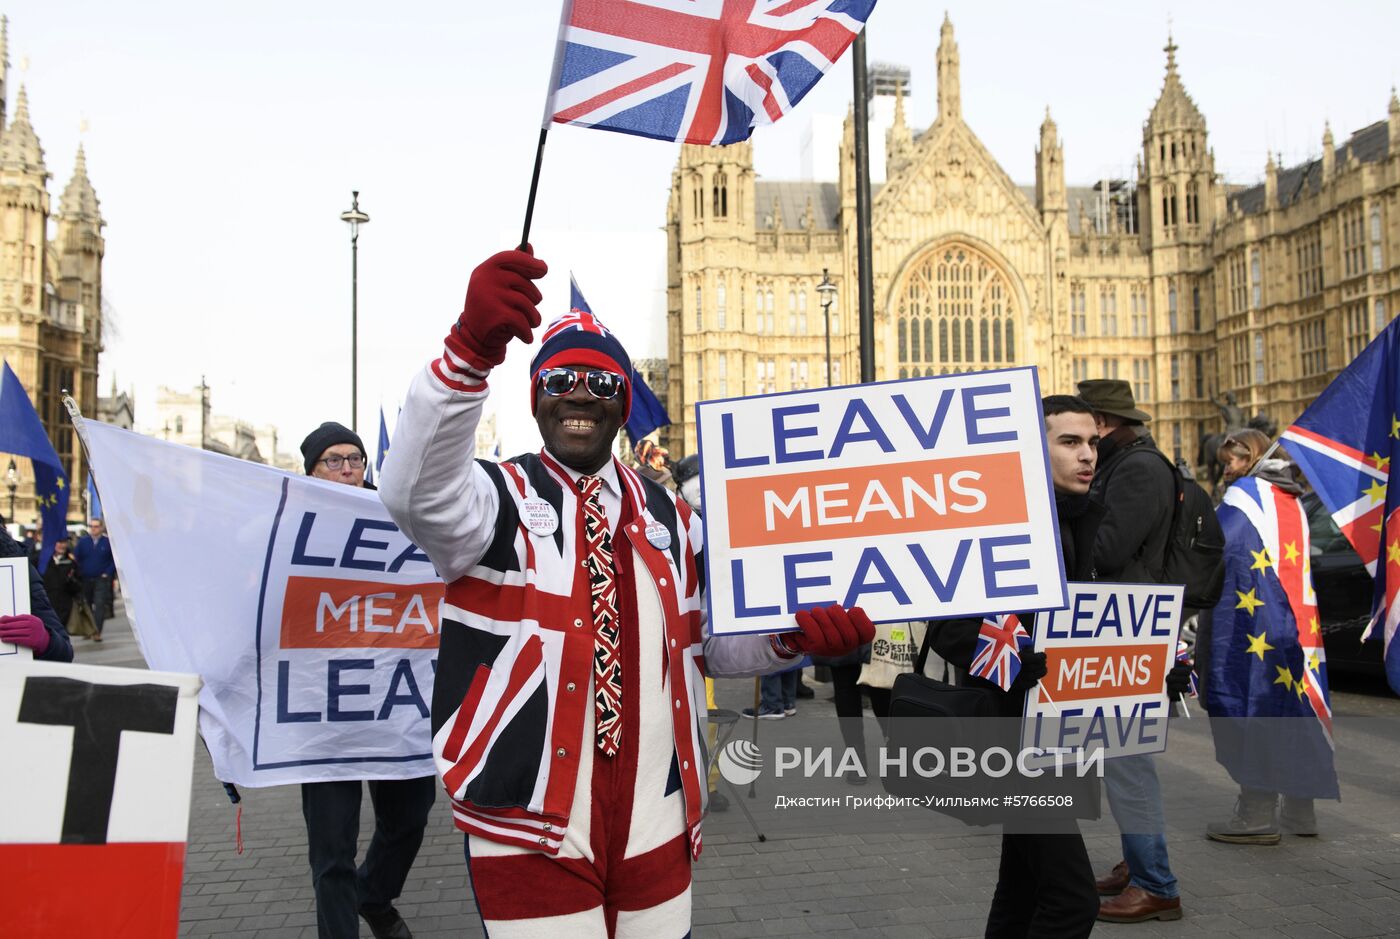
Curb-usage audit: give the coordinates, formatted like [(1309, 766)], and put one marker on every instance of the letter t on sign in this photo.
[(98, 714)]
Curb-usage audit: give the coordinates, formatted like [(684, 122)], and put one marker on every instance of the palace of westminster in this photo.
[(1181, 283), (1177, 281)]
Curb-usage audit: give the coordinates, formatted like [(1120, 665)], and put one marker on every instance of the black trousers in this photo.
[(1045, 887), (332, 812), (850, 708)]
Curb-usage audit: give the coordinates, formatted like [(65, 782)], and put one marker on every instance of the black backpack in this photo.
[(1195, 553)]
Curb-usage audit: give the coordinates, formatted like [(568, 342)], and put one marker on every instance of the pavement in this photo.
[(872, 872)]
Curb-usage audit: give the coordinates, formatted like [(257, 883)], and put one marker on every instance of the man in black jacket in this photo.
[(1052, 867), (1138, 493)]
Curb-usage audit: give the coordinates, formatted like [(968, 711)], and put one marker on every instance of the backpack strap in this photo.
[(1178, 490)]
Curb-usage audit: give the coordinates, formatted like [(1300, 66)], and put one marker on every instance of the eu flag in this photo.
[(1271, 715), (22, 433), (1344, 443), (647, 412), (383, 442)]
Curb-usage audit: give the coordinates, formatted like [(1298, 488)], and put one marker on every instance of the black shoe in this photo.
[(386, 924), (718, 802), (804, 692)]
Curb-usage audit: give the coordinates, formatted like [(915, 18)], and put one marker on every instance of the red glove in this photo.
[(500, 306), (830, 631), (25, 630)]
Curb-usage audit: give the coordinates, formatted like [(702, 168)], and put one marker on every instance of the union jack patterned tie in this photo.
[(602, 581)]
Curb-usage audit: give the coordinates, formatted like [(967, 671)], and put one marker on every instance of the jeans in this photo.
[(97, 591), (332, 812), (1135, 799), (778, 693)]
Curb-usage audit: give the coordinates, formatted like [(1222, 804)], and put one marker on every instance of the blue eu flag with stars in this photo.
[(22, 433)]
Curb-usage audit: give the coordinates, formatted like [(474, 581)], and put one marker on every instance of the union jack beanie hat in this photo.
[(579, 338)]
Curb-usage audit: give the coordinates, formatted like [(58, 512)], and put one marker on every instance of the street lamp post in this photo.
[(827, 290), (355, 218), (12, 483)]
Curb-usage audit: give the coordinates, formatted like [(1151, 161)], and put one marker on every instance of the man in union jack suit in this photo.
[(569, 705)]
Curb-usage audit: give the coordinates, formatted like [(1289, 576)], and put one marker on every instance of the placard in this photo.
[(912, 499), (1107, 657), (14, 600)]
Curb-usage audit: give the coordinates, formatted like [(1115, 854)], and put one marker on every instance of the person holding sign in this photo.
[(1052, 868), (1266, 688), (1135, 485), (39, 630), (569, 704)]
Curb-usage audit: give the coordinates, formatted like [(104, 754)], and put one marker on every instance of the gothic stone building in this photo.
[(50, 290), (1180, 283)]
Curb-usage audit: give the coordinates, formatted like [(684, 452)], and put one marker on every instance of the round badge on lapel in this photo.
[(539, 516), (659, 536)]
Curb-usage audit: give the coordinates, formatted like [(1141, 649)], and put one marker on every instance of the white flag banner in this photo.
[(312, 620)]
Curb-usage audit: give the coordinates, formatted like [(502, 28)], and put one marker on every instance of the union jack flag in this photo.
[(1344, 443), (1183, 657), (998, 654), (579, 317), (702, 71)]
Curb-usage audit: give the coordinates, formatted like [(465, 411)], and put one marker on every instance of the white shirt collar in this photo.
[(608, 474)]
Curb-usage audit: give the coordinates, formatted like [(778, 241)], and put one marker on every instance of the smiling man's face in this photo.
[(578, 428)]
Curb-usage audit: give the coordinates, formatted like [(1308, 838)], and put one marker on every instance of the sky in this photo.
[(224, 140)]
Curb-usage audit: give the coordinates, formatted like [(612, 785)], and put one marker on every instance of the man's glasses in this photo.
[(334, 463), (558, 382)]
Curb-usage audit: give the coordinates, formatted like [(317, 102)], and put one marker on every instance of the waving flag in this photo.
[(1183, 657), (702, 71), (1344, 442), (22, 433), (1266, 657), (647, 412), (997, 657)]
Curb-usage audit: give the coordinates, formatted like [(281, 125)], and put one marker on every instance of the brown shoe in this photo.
[(1135, 905), (1114, 882)]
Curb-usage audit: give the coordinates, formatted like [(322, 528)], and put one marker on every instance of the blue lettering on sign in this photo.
[(410, 553), (943, 588), (731, 459), (335, 690), (782, 433), (403, 673), (285, 715), (299, 555), (846, 433), (795, 583), (872, 559), (741, 609), (927, 436), (356, 540), (992, 568), (972, 415)]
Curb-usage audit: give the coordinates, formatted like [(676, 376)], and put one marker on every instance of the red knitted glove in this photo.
[(500, 306), (25, 630), (830, 631)]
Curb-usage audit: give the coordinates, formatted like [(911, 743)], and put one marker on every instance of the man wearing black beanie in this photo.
[(332, 809)]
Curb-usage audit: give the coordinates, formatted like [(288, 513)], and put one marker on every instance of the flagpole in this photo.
[(534, 188)]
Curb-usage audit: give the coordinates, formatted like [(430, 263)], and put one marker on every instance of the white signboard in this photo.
[(97, 790), (14, 600), (312, 620), (1107, 657), (912, 499)]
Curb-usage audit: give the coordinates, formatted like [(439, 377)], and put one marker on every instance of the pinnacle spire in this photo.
[(1170, 49), (1394, 102), (19, 147), (1174, 109), (79, 202), (949, 84)]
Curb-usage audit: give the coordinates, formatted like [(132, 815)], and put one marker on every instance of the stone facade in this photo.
[(1134, 279), (50, 290)]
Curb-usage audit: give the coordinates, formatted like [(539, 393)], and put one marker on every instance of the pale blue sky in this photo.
[(224, 140)]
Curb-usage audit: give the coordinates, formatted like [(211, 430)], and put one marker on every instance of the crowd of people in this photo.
[(586, 821)]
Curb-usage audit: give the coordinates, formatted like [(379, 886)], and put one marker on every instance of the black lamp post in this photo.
[(355, 218), (827, 290)]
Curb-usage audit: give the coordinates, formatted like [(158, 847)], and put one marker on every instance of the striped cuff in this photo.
[(456, 374), (780, 646)]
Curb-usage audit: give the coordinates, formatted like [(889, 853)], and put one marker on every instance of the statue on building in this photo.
[(1230, 412)]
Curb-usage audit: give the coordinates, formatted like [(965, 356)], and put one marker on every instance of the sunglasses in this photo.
[(558, 382)]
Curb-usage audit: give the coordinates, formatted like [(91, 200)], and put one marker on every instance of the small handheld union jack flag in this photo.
[(998, 654), (1183, 657), (702, 71)]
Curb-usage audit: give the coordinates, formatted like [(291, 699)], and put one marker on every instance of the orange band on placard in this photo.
[(866, 501), (1074, 673), (326, 613)]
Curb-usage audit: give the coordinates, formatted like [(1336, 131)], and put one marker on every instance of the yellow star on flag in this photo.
[(1262, 561), (1257, 646), (1300, 686), (1314, 626), (1392, 551), (1381, 462), (1248, 601), (1290, 552), (1285, 677), (59, 482), (1314, 661), (1394, 427), (1376, 491)]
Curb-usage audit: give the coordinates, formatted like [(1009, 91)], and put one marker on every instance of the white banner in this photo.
[(312, 620), (1107, 654), (14, 600), (914, 499)]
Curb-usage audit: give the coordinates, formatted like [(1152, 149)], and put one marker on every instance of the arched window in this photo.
[(758, 311), (792, 313), (720, 192), (973, 302), (771, 326), (903, 343), (1171, 309), (802, 311), (699, 310), (179, 424), (720, 313), (903, 372), (1192, 206)]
